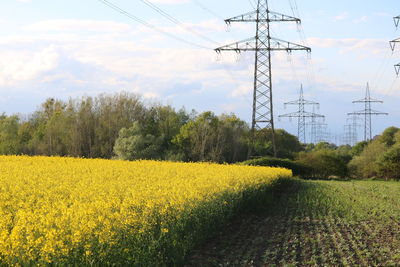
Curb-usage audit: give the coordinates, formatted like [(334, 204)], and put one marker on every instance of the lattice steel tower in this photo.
[(262, 44), (314, 124), (302, 114), (351, 130), (393, 43), (367, 113)]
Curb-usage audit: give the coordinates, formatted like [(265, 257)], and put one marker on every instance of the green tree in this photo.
[(134, 144), (287, 145), (233, 135), (111, 114), (389, 163), (196, 139), (9, 142), (325, 146), (358, 148), (324, 163), (49, 129), (211, 138), (388, 136), (166, 122), (365, 165)]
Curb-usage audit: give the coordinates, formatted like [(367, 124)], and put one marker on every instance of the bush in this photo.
[(297, 168), (379, 158), (324, 164), (389, 164)]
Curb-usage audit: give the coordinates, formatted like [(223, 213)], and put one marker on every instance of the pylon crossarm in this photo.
[(307, 102), (299, 114), (281, 45), (375, 112), (313, 115), (304, 102), (361, 112), (368, 112), (278, 17), (252, 17), (290, 115), (248, 17), (244, 45), (251, 45), (393, 43), (396, 21), (366, 100)]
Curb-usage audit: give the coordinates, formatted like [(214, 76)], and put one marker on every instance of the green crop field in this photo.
[(313, 223)]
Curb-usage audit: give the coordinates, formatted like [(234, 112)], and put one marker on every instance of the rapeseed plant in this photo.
[(72, 211)]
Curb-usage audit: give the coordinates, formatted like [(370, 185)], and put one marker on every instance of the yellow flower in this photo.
[(52, 209)]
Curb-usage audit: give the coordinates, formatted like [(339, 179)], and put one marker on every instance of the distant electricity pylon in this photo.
[(351, 130), (347, 138), (367, 113), (262, 44), (393, 43), (323, 134), (314, 124), (302, 114)]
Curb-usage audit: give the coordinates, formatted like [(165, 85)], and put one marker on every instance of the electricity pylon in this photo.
[(314, 126), (262, 44), (301, 114), (393, 43), (322, 132), (351, 129), (348, 135), (367, 113)]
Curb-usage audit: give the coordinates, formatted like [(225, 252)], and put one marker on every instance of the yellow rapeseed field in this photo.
[(70, 211)]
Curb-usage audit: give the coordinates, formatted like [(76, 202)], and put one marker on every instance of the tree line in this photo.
[(124, 126)]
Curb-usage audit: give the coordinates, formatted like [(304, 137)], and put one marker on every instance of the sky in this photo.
[(74, 48)]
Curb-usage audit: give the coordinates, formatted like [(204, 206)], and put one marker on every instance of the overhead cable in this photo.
[(150, 26), (176, 21)]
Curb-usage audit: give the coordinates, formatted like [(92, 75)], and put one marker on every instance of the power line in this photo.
[(176, 21), (310, 66), (252, 4), (207, 9), (150, 26), (211, 12)]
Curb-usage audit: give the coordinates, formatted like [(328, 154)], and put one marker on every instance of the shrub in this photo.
[(324, 164), (297, 168)]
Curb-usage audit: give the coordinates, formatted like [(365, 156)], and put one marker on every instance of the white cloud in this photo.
[(362, 19), (341, 16), (17, 67), (353, 45)]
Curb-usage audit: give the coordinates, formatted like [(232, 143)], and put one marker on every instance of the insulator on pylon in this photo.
[(218, 57), (289, 57), (228, 27), (397, 69), (238, 56)]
